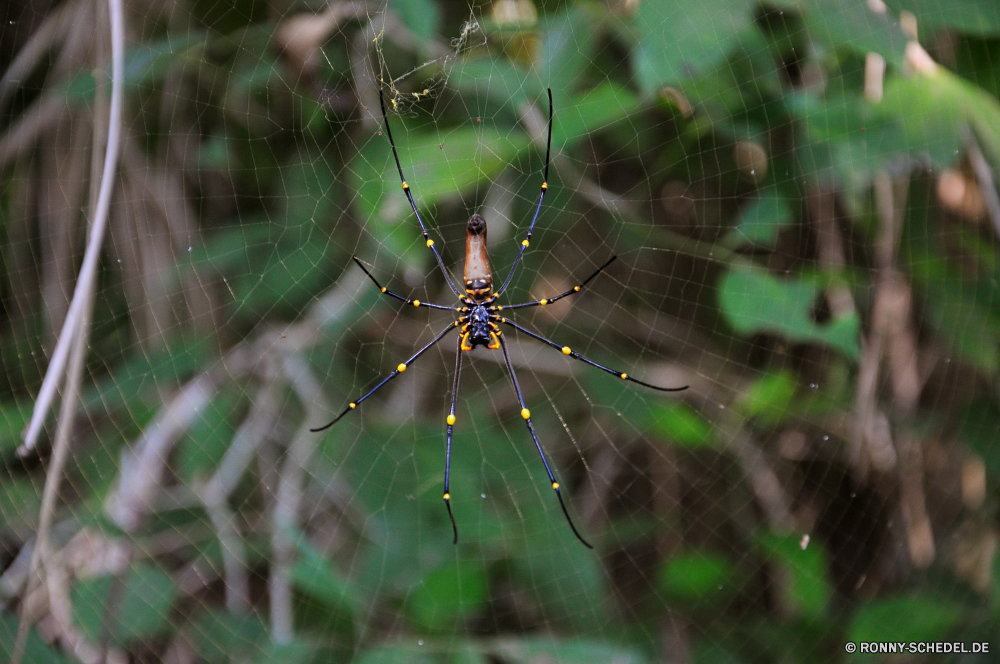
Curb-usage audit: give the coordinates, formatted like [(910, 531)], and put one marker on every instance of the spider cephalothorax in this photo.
[(479, 320)]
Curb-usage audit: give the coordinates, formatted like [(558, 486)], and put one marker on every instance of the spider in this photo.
[(479, 320)]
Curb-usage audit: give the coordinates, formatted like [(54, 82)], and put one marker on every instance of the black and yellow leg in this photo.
[(406, 190), (541, 197), (526, 414), (398, 370), (447, 452), (566, 350), (383, 289), (550, 300)]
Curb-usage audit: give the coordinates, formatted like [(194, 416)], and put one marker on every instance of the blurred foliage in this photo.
[(803, 198)]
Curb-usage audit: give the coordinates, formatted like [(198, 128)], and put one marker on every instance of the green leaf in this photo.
[(469, 155), (289, 282), (913, 618), (307, 190), (592, 111), (846, 23), (680, 424), (13, 418), (422, 17), (296, 652), (951, 305), (809, 590), (398, 653), (313, 574), (691, 577), (20, 501), (221, 637), (968, 328), (973, 16), (449, 594), (205, 442), (567, 651), (568, 48), (753, 301), (768, 397), (677, 42), (761, 220), (710, 651), (139, 610), (36, 651), (937, 113), (492, 81)]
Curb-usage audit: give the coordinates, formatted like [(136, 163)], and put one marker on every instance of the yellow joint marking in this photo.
[(416, 303), (383, 289), (524, 243), (451, 419), (576, 289), (525, 413), (545, 185), (555, 485), (447, 496), (405, 186), (352, 405), (624, 376), (499, 308), (566, 350), (401, 367), (430, 243), (543, 302)]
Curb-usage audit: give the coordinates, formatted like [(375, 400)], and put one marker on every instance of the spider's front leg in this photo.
[(550, 300)]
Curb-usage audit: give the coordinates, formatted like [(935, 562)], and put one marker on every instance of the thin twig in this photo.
[(288, 499), (78, 333), (33, 51), (215, 494), (88, 272), (984, 177)]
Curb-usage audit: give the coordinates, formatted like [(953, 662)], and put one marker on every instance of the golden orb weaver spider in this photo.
[(479, 319)]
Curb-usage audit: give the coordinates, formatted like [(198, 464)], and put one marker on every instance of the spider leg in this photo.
[(550, 300), (576, 356), (398, 370), (538, 208), (526, 414), (406, 189), (451, 426), (416, 303)]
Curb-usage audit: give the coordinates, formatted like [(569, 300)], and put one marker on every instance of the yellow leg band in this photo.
[(525, 413), (401, 367), (451, 419)]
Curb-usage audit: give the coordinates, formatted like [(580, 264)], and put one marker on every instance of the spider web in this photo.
[(801, 200)]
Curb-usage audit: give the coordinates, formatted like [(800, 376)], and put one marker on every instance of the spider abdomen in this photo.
[(478, 276)]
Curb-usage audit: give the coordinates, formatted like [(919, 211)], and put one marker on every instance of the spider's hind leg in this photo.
[(526, 414)]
